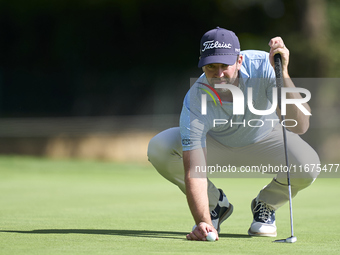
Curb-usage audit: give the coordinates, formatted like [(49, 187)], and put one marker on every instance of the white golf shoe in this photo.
[(264, 220), (221, 212)]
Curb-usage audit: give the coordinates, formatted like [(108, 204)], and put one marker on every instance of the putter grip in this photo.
[(279, 77), (278, 70)]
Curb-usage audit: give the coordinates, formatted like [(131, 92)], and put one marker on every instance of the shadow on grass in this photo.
[(134, 233)]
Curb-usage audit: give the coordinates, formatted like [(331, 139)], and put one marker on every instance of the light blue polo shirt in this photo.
[(236, 130)]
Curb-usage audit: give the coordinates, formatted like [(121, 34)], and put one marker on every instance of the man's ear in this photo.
[(239, 61)]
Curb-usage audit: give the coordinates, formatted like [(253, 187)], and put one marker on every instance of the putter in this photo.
[(279, 84)]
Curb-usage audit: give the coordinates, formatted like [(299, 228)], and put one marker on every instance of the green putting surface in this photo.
[(87, 207)]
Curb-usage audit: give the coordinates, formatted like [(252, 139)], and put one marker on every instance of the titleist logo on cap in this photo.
[(215, 45)]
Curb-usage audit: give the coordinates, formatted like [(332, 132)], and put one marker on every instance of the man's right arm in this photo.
[(197, 194)]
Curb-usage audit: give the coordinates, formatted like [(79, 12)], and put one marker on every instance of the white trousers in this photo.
[(165, 154)]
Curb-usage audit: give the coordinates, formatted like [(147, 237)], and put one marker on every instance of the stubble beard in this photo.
[(232, 81)]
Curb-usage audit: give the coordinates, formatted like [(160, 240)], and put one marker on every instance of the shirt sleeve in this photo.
[(193, 125)]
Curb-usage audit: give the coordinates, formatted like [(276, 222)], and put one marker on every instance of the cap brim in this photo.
[(217, 59)]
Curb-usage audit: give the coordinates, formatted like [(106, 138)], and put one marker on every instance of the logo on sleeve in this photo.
[(186, 142)]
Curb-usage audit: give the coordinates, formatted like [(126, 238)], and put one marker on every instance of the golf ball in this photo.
[(211, 236)]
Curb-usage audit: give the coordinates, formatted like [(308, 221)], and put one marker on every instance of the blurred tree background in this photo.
[(83, 58), (128, 57)]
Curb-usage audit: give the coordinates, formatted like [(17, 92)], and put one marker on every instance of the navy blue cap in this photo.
[(220, 46)]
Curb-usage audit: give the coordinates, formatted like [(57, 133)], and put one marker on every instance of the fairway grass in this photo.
[(87, 207)]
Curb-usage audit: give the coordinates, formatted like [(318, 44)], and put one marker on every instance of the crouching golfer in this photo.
[(243, 139)]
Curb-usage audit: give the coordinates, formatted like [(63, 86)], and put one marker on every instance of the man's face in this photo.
[(223, 74)]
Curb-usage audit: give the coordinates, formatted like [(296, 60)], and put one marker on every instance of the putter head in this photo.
[(291, 239)]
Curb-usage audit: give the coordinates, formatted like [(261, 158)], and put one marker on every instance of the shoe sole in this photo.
[(274, 234), (261, 234), (225, 216)]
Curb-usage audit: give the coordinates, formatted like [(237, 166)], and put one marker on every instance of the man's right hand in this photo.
[(201, 231)]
